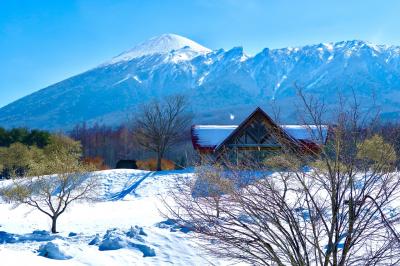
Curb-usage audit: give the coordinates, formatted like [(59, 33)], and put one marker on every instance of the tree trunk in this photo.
[(159, 159), (54, 225), (217, 206)]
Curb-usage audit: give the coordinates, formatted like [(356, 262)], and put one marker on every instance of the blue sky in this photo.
[(46, 41)]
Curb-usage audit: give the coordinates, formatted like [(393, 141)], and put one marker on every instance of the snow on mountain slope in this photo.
[(219, 83), (159, 45), (138, 204)]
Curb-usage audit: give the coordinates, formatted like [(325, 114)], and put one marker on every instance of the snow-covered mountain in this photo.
[(221, 84), (161, 45)]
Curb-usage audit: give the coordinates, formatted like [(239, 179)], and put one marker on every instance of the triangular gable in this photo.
[(276, 131)]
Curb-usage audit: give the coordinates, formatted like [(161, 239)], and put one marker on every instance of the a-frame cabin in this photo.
[(258, 136)]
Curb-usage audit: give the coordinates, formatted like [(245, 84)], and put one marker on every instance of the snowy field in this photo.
[(126, 228)]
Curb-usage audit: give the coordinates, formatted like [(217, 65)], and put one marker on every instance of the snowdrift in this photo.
[(124, 228)]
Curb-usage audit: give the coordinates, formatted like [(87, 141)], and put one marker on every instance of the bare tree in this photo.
[(56, 181), (161, 124), (337, 206)]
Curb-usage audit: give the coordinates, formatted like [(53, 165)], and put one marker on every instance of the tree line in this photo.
[(18, 147), (34, 137), (160, 129)]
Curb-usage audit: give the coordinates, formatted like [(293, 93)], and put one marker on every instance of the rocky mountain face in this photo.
[(223, 86)]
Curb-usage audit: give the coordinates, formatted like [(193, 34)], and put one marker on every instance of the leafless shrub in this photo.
[(161, 124)]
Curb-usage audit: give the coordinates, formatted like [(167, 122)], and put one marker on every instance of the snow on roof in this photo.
[(210, 136), (313, 133)]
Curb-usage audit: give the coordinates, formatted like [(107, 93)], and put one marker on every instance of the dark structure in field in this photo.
[(258, 136), (126, 164)]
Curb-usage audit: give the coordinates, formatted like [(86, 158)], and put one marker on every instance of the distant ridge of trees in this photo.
[(34, 137), (119, 143), (115, 143), (109, 143)]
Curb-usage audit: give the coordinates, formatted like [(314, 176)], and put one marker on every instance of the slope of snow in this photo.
[(160, 45), (131, 199)]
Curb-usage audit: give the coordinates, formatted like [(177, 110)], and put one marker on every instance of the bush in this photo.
[(97, 162), (281, 162), (378, 154), (151, 164), (17, 159)]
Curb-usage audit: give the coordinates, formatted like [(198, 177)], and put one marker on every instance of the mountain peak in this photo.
[(159, 45)]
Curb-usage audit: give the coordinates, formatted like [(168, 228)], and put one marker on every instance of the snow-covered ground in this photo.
[(128, 218)]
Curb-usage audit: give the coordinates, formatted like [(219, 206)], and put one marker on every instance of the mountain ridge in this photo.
[(219, 82)]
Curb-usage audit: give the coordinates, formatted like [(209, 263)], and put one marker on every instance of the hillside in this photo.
[(220, 84), (131, 203)]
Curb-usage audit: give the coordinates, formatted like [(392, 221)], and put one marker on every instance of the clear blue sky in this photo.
[(45, 41)]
